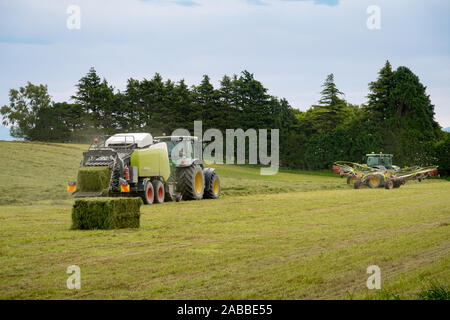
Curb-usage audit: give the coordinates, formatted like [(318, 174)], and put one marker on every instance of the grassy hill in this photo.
[(40, 171), (295, 235)]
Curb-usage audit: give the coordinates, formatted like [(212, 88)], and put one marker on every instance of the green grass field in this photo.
[(296, 235)]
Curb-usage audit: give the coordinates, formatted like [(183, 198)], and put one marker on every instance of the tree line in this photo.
[(397, 118)]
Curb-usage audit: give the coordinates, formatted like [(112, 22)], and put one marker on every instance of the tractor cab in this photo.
[(380, 161), (181, 149)]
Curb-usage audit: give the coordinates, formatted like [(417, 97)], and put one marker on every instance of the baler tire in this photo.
[(188, 182), (158, 188), (148, 194), (212, 184)]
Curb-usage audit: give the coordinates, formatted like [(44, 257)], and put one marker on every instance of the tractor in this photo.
[(380, 161), (156, 169)]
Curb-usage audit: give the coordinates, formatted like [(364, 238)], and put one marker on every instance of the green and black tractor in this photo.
[(157, 169), (380, 161)]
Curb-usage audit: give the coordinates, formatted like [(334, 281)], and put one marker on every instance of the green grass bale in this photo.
[(93, 179), (106, 213)]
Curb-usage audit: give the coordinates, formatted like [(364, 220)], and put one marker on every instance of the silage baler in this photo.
[(136, 164)]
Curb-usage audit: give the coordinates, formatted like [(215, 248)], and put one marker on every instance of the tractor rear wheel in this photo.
[(375, 181), (191, 182), (158, 188), (212, 184), (397, 184), (147, 197)]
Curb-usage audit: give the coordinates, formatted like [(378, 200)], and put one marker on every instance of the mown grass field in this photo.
[(296, 235)]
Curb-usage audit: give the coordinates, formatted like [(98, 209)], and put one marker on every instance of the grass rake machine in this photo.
[(379, 172)]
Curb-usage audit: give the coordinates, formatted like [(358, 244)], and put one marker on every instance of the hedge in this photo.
[(93, 179), (106, 213)]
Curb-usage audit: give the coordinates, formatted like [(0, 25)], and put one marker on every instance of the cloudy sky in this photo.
[(290, 45)]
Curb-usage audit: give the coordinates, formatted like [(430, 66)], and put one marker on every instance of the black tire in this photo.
[(212, 184), (158, 188), (189, 184), (148, 194), (167, 196), (389, 184), (397, 184), (351, 179), (358, 184)]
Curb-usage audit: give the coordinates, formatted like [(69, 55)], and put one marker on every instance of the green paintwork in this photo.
[(151, 163)]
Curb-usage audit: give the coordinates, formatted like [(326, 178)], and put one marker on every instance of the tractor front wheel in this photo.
[(191, 182), (375, 181), (212, 184)]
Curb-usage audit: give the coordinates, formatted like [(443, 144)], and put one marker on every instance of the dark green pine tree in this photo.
[(331, 108), (134, 104), (400, 111), (206, 103), (183, 107), (253, 101), (411, 119), (229, 105), (153, 104), (379, 104), (97, 99)]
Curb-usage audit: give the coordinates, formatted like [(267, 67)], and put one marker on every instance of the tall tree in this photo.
[(379, 98), (253, 101), (25, 111), (206, 103), (97, 99), (331, 108), (401, 112)]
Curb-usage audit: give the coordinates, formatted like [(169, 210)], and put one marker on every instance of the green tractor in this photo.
[(380, 161), (156, 169)]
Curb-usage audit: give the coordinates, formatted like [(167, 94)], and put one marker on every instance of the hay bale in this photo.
[(93, 179), (106, 213)]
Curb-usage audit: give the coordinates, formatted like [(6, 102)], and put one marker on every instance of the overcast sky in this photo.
[(290, 45)]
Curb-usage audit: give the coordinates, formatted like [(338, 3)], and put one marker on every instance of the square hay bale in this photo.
[(106, 213), (93, 179)]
